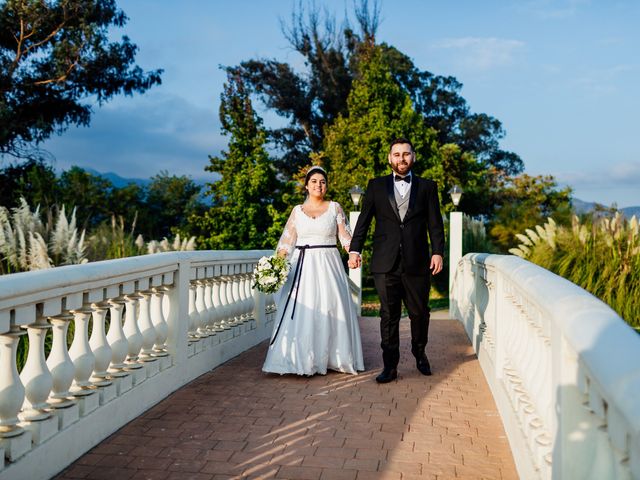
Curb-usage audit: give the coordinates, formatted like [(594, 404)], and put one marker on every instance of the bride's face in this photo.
[(317, 186)]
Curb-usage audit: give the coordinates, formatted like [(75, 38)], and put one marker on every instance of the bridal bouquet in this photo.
[(270, 273)]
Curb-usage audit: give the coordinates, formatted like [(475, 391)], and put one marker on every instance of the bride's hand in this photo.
[(282, 253)]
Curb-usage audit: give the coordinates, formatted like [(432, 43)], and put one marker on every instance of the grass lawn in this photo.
[(371, 303)]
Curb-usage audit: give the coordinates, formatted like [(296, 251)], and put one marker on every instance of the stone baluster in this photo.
[(208, 306), (244, 315), (11, 389), (132, 332), (251, 304), (159, 321), (201, 309), (100, 346), (35, 375), (81, 354), (232, 298), (225, 300), (38, 382), (239, 298), (60, 363), (14, 440), (218, 308), (147, 330), (193, 315), (117, 339)]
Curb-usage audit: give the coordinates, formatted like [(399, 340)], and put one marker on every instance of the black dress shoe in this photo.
[(423, 365), (387, 375)]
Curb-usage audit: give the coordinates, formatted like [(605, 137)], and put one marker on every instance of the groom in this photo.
[(407, 213)]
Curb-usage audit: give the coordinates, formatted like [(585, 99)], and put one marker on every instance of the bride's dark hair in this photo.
[(313, 170)]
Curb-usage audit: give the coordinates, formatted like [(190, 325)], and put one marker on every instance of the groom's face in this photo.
[(401, 158)]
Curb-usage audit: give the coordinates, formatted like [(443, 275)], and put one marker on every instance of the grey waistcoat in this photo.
[(403, 203)]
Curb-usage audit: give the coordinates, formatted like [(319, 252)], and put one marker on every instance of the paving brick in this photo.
[(151, 475), (299, 473), (78, 471), (237, 422), (338, 474)]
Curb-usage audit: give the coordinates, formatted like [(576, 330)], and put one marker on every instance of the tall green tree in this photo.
[(356, 145), (170, 200), (246, 212), (525, 201), (56, 59), (91, 193), (33, 180), (315, 98)]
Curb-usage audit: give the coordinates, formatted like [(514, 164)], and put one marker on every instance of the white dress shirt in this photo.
[(402, 187)]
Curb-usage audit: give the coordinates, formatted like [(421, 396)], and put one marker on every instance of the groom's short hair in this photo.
[(401, 140)]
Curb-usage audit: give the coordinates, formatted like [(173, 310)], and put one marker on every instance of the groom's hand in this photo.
[(355, 261), (436, 264)]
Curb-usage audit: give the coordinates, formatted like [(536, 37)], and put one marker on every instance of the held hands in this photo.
[(355, 260), (436, 264)]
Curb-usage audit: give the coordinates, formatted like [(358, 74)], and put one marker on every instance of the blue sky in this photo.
[(562, 76)]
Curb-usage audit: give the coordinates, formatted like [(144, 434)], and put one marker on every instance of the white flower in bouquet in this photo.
[(270, 273)]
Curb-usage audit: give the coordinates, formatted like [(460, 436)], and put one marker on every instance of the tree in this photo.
[(316, 98), (356, 145), (33, 180), (245, 212), (54, 57), (524, 202), (90, 192), (170, 199)]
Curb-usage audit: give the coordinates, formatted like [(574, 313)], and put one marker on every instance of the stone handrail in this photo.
[(563, 367), (143, 327)]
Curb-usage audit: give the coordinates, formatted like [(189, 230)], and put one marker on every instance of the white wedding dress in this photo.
[(322, 332)]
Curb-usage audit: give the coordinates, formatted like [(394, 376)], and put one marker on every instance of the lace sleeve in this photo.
[(289, 236), (344, 230)]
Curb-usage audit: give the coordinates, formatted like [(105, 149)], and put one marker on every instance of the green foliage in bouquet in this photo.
[(270, 274)]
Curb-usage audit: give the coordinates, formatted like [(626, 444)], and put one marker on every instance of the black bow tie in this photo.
[(407, 179)]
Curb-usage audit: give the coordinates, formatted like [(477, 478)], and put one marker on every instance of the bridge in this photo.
[(533, 378)]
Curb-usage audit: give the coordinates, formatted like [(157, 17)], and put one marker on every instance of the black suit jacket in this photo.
[(423, 222)]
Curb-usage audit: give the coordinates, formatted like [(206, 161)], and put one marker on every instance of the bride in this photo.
[(316, 326)]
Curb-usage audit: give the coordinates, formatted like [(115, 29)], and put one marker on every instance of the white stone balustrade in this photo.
[(563, 367), (97, 384)]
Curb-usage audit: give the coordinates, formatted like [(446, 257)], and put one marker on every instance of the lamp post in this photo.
[(455, 237), (355, 274)]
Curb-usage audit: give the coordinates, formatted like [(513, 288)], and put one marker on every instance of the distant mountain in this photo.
[(581, 207), (120, 182), (631, 211), (117, 180)]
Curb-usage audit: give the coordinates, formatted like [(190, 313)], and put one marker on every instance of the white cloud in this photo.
[(481, 53), (618, 174), (603, 81), (619, 184), (554, 9), (140, 137)]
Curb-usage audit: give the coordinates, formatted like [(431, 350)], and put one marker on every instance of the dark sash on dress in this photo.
[(296, 283)]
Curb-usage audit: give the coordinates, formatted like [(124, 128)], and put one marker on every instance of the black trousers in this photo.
[(394, 288)]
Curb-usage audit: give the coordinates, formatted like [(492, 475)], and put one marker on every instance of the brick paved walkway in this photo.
[(237, 422)]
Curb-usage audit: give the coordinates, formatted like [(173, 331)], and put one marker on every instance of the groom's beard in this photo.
[(398, 172)]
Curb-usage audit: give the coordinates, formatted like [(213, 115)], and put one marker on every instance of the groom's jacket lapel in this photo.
[(392, 196)]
